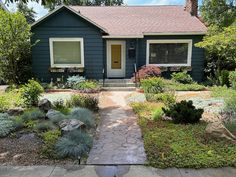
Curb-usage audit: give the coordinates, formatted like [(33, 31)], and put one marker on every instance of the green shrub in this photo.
[(232, 79), (87, 86), (32, 114), (9, 100), (75, 144), (166, 98), (184, 87), (84, 101), (153, 85), (74, 80), (230, 105), (50, 138), (18, 122), (31, 124), (231, 125), (182, 77), (31, 92), (184, 112), (157, 114), (44, 126), (84, 115), (60, 105), (6, 125)]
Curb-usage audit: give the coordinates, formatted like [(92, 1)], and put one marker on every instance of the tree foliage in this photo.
[(29, 13), (221, 13), (14, 48)]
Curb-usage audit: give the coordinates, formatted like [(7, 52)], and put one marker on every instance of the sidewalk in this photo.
[(111, 171)]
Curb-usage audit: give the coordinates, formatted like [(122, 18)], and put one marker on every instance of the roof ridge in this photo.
[(130, 6)]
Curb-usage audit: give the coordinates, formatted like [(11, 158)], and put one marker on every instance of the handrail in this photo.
[(103, 79), (135, 74)]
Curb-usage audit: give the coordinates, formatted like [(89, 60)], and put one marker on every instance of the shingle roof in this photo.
[(140, 20)]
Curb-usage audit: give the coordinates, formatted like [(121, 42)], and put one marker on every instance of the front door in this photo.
[(116, 59)]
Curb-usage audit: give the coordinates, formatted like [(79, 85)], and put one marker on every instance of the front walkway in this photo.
[(119, 139), (111, 171)]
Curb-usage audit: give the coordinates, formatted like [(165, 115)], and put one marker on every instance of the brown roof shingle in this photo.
[(140, 20)]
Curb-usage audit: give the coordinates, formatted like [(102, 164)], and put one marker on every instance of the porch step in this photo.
[(118, 88), (117, 83)]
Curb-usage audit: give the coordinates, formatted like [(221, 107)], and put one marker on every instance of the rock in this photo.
[(218, 130), (28, 137), (15, 111), (4, 155), (166, 118), (45, 105), (71, 124), (18, 157)]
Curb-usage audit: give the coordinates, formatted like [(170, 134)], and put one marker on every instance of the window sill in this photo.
[(175, 68), (65, 70)]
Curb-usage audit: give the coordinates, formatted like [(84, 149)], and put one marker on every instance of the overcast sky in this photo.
[(41, 11)]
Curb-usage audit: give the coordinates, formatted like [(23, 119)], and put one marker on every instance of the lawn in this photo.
[(184, 146)]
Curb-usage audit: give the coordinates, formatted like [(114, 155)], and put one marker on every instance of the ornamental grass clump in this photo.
[(32, 114), (183, 113), (84, 115), (153, 85), (75, 144), (6, 125)]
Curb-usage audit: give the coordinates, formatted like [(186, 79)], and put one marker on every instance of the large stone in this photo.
[(218, 130), (15, 111), (70, 124), (45, 105)]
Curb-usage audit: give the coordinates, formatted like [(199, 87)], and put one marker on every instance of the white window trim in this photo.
[(188, 41), (51, 40)]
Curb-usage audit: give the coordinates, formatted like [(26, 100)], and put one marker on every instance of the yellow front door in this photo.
[(116, 56)]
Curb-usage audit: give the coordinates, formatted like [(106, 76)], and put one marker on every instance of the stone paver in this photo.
[(111, 171), (119, 140)]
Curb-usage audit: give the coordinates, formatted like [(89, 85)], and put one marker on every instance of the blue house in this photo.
[(108, 41)]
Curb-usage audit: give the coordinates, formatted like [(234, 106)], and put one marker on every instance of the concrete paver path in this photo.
[(119, 138), (111, 171)]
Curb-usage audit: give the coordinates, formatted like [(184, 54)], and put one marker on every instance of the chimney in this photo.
[(192, 7)]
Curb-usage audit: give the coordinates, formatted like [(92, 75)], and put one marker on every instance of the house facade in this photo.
[(109, 42)]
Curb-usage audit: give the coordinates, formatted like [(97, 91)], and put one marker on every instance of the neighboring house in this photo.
[(2, 6), (90, 40)]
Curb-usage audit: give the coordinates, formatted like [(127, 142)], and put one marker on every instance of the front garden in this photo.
[(48, 128), (183, 127)]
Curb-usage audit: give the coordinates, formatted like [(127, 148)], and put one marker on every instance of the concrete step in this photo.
[(116, 81), (118, 84), (118, 88)]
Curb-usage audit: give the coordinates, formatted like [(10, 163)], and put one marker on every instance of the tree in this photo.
[(221, 13), (14, 48), (29, 13)]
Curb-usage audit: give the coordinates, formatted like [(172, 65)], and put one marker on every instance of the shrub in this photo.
[(74, 80), (84, 115), (184, 112), (182, 77), (184, 87), (31, 124), (157, 114), (75, 144), (32, 114), (9, 100), (44, 126), (166, 98), (153, 85), (84, 101), (147, 71), (232, 79), (50, 138), (87, 86), (6, 125), (18, 122), (231, 125), (31, 92), (230, 105), (60, 105)]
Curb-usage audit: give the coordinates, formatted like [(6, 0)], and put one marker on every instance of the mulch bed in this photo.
[(24, 149)]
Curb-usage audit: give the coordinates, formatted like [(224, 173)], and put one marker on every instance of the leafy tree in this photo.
[(14, 48), (221, 13), (29, 13)]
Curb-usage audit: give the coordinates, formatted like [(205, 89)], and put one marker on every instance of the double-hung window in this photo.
[(169, 52), (66, 52)]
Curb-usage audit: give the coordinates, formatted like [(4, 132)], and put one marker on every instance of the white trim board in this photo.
[(113, 73), (51, 40), (188, 41)]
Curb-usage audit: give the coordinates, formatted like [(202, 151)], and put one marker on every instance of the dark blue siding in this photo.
[(67, 24), (198, 57)]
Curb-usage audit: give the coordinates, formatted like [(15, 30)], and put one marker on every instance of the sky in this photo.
[(41, 11)]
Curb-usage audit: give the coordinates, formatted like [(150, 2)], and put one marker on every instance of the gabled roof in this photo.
[(72, 10), (137, 21), (143, 20)]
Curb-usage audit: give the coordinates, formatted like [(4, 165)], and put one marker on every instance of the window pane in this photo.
[(66, 52), (168, 53)]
